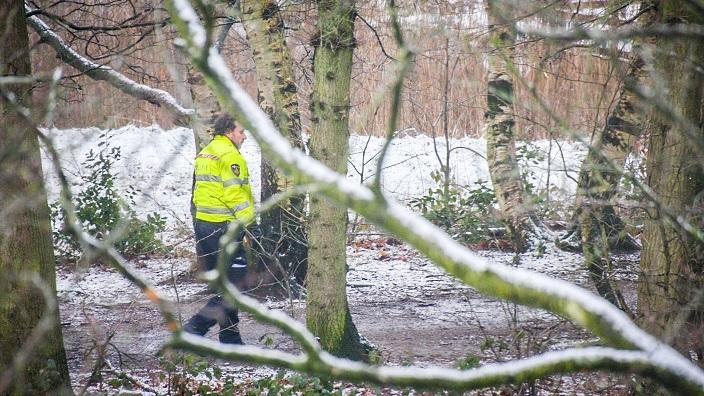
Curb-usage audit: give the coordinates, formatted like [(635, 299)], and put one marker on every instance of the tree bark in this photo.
[(670, 287), (206, 107), (500, 141), (25, 232), (598, 180), (598, 226), (327, 313), (283, 226)]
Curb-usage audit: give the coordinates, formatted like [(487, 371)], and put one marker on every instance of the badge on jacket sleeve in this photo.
[(235, 169)]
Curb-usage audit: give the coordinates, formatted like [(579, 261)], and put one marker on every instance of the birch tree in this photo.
[(599, 226), (603, 167), (32, 356), (500, 140)]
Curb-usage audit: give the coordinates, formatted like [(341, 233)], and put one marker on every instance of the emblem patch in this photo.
[(235, 169)]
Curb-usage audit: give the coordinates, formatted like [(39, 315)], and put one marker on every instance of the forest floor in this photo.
[(406, 306), (413, 312)]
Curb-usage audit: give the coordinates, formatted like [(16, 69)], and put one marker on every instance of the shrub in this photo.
[(100, 208), (537, 197), (468, 362), (292, 384), (466, 214)]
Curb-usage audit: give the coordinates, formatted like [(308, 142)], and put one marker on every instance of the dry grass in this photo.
[(576, 85)]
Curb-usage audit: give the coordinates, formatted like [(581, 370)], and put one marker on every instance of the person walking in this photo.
[(222, 194)]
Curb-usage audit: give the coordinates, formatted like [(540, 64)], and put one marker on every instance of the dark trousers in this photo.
[(217, 310)]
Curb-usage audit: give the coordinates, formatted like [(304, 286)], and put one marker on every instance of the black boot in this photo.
[(230, 335), (198, 325)]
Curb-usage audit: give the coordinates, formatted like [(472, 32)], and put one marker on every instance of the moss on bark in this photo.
[(500, 141), (669, 292), (327, 314), (25, 233)]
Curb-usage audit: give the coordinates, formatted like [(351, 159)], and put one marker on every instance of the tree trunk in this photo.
[(327, 313), (598, 181), (25, 233), (598, 226), (206, 106), (283, 226), (500, 142), (670, 288)]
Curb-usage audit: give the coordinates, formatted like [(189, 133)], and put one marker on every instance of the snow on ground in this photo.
[(399, 300), (158, 164), (395, 294), (105, 286)]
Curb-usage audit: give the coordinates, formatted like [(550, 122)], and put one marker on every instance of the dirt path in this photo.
[(407, 307)]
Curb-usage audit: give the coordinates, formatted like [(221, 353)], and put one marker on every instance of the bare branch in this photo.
[(376, 34), (104, 73)]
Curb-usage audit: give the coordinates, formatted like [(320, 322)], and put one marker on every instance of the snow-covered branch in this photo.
[(104, 73), (572, 360), (318, 362), (525, 287)]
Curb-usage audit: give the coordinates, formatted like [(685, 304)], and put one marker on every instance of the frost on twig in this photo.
[(96, 71), (642, 352)]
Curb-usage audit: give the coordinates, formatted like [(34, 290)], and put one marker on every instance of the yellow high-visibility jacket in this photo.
[(222, 190)]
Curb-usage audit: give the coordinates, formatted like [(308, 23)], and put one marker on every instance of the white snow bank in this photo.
[(158, 164)]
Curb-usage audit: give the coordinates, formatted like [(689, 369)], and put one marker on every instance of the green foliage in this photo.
[(632, 215), (49, 376), (293, 384), (100, 209), (528, 156), (469, 362), (189, 374), (374, 357), (121, 380), (491, 343), (266, 339), (466, 214)]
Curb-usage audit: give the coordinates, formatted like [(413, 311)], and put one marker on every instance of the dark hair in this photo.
[(223, 124)]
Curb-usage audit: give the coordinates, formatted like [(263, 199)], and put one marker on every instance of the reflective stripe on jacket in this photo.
[(222, 191)]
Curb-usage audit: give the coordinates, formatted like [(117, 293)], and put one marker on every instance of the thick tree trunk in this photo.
[(670, 287), (283, 226), (327, 313), (500, 142), (25, 233)]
